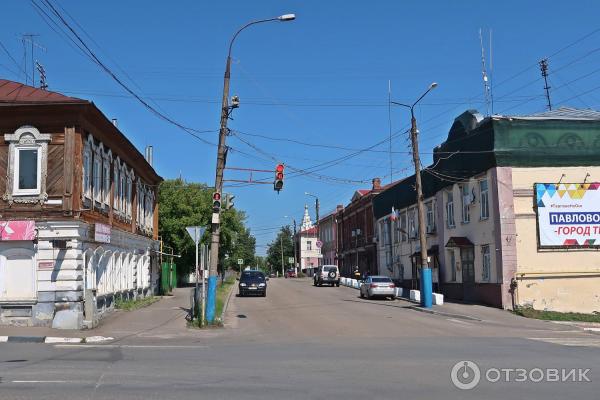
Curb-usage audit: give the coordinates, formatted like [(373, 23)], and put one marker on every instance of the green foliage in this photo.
[(530, 312), (183, 204), (284, 239)]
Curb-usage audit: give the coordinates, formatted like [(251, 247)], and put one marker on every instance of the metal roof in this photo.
[(19, 93), (562, 113)]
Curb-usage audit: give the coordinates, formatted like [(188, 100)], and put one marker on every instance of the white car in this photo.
[(378, 286)]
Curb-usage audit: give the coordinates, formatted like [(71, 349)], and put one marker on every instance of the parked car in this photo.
[(290, 273), (378, 286), (328, 274), (252, 283)]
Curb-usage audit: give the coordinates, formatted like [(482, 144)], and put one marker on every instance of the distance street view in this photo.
[(299, 200)]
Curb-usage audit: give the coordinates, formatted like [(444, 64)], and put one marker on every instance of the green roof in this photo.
[(563, 137)]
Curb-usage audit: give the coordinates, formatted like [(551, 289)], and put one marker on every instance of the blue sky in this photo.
[(322, 79)]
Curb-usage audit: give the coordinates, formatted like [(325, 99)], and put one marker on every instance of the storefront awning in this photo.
[(459, 241)]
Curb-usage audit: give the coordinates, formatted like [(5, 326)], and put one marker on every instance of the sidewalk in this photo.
[(164, 319)]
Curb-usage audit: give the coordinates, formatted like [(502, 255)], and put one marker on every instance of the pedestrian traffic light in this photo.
[(228, 201), (216, 202), (278, 183)]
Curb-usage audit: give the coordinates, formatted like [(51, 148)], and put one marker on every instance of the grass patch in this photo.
[(530, 312), (130, 305)]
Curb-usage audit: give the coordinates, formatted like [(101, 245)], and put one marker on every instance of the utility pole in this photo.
[(221, 160), (544, 69), (294, 242), (281, 244), (426, 280)]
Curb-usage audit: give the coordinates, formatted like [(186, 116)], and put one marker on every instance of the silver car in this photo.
[(378, 286)]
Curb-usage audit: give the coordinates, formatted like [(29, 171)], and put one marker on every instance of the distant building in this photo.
[(79, 212), (328, 237), (490, 196), (309, 254), (356, 239)]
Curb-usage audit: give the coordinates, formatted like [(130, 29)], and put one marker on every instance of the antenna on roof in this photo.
[(42, 72), (486, 86), (544, 69), (29, 37)]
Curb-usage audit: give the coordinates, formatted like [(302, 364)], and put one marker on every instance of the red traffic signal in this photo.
[(278, 183), (216, 201)]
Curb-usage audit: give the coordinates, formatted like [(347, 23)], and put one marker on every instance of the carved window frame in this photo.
[(97, 179), (87, 170), (27, 137), (106, 179), (116, 192)]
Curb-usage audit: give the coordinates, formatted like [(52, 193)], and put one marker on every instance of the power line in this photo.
[(90, 54)]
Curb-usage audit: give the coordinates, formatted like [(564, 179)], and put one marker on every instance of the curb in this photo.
[(53, 339), (226, 305), (444, 314)]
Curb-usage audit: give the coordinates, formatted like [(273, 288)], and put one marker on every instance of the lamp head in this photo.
[(433, 85), (287, 17)]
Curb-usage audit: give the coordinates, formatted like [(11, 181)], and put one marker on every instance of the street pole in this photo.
[(281, 243), (196, 293), (426, 281), (221, 160), (426, 284), (294, 239)]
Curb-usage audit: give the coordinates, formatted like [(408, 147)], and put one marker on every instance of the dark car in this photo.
[(253, 283)]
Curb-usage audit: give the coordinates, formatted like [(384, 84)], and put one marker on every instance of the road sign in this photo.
[(319, 244), (240, 261), (195, 232), (291, 260)]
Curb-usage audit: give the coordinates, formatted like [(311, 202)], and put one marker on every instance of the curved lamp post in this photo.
[(221, 159), (426, 280)]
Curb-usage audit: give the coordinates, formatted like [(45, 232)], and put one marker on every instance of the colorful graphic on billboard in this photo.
[(568, 214)]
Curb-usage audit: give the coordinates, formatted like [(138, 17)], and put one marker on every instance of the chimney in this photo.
[(115, 122), (149, 154), (339, 208), (376, 184)]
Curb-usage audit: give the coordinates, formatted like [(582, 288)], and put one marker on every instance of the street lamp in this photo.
[(221, 160), (293, 242), (426, 283)]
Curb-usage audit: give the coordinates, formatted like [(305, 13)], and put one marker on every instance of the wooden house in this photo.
[(78, 211)]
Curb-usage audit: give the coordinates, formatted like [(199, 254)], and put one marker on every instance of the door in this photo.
[(17, 275), (467, 260)]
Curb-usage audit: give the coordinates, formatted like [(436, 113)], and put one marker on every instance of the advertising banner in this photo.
[(568, 214)]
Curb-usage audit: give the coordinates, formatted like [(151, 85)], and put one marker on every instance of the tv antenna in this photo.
[(30, 38)]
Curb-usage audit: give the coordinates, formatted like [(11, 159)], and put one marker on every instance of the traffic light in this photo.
[(278, 183), (228, 201), (216, 202)]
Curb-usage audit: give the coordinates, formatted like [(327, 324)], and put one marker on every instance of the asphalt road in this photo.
[(305, 342)]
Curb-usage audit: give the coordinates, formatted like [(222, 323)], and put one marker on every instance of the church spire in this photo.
[(306, 222)]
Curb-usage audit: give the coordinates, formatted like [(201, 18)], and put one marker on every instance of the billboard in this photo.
[(568, 214)]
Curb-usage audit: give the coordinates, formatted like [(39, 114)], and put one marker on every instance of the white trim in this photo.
[(16, 171)]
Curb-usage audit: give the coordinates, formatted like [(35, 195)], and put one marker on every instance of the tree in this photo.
[(284, 239), (184, 204)]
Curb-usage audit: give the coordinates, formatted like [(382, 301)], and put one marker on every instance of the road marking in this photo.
[(459, 321), (580, 341), (129, 346), (44, 381)]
